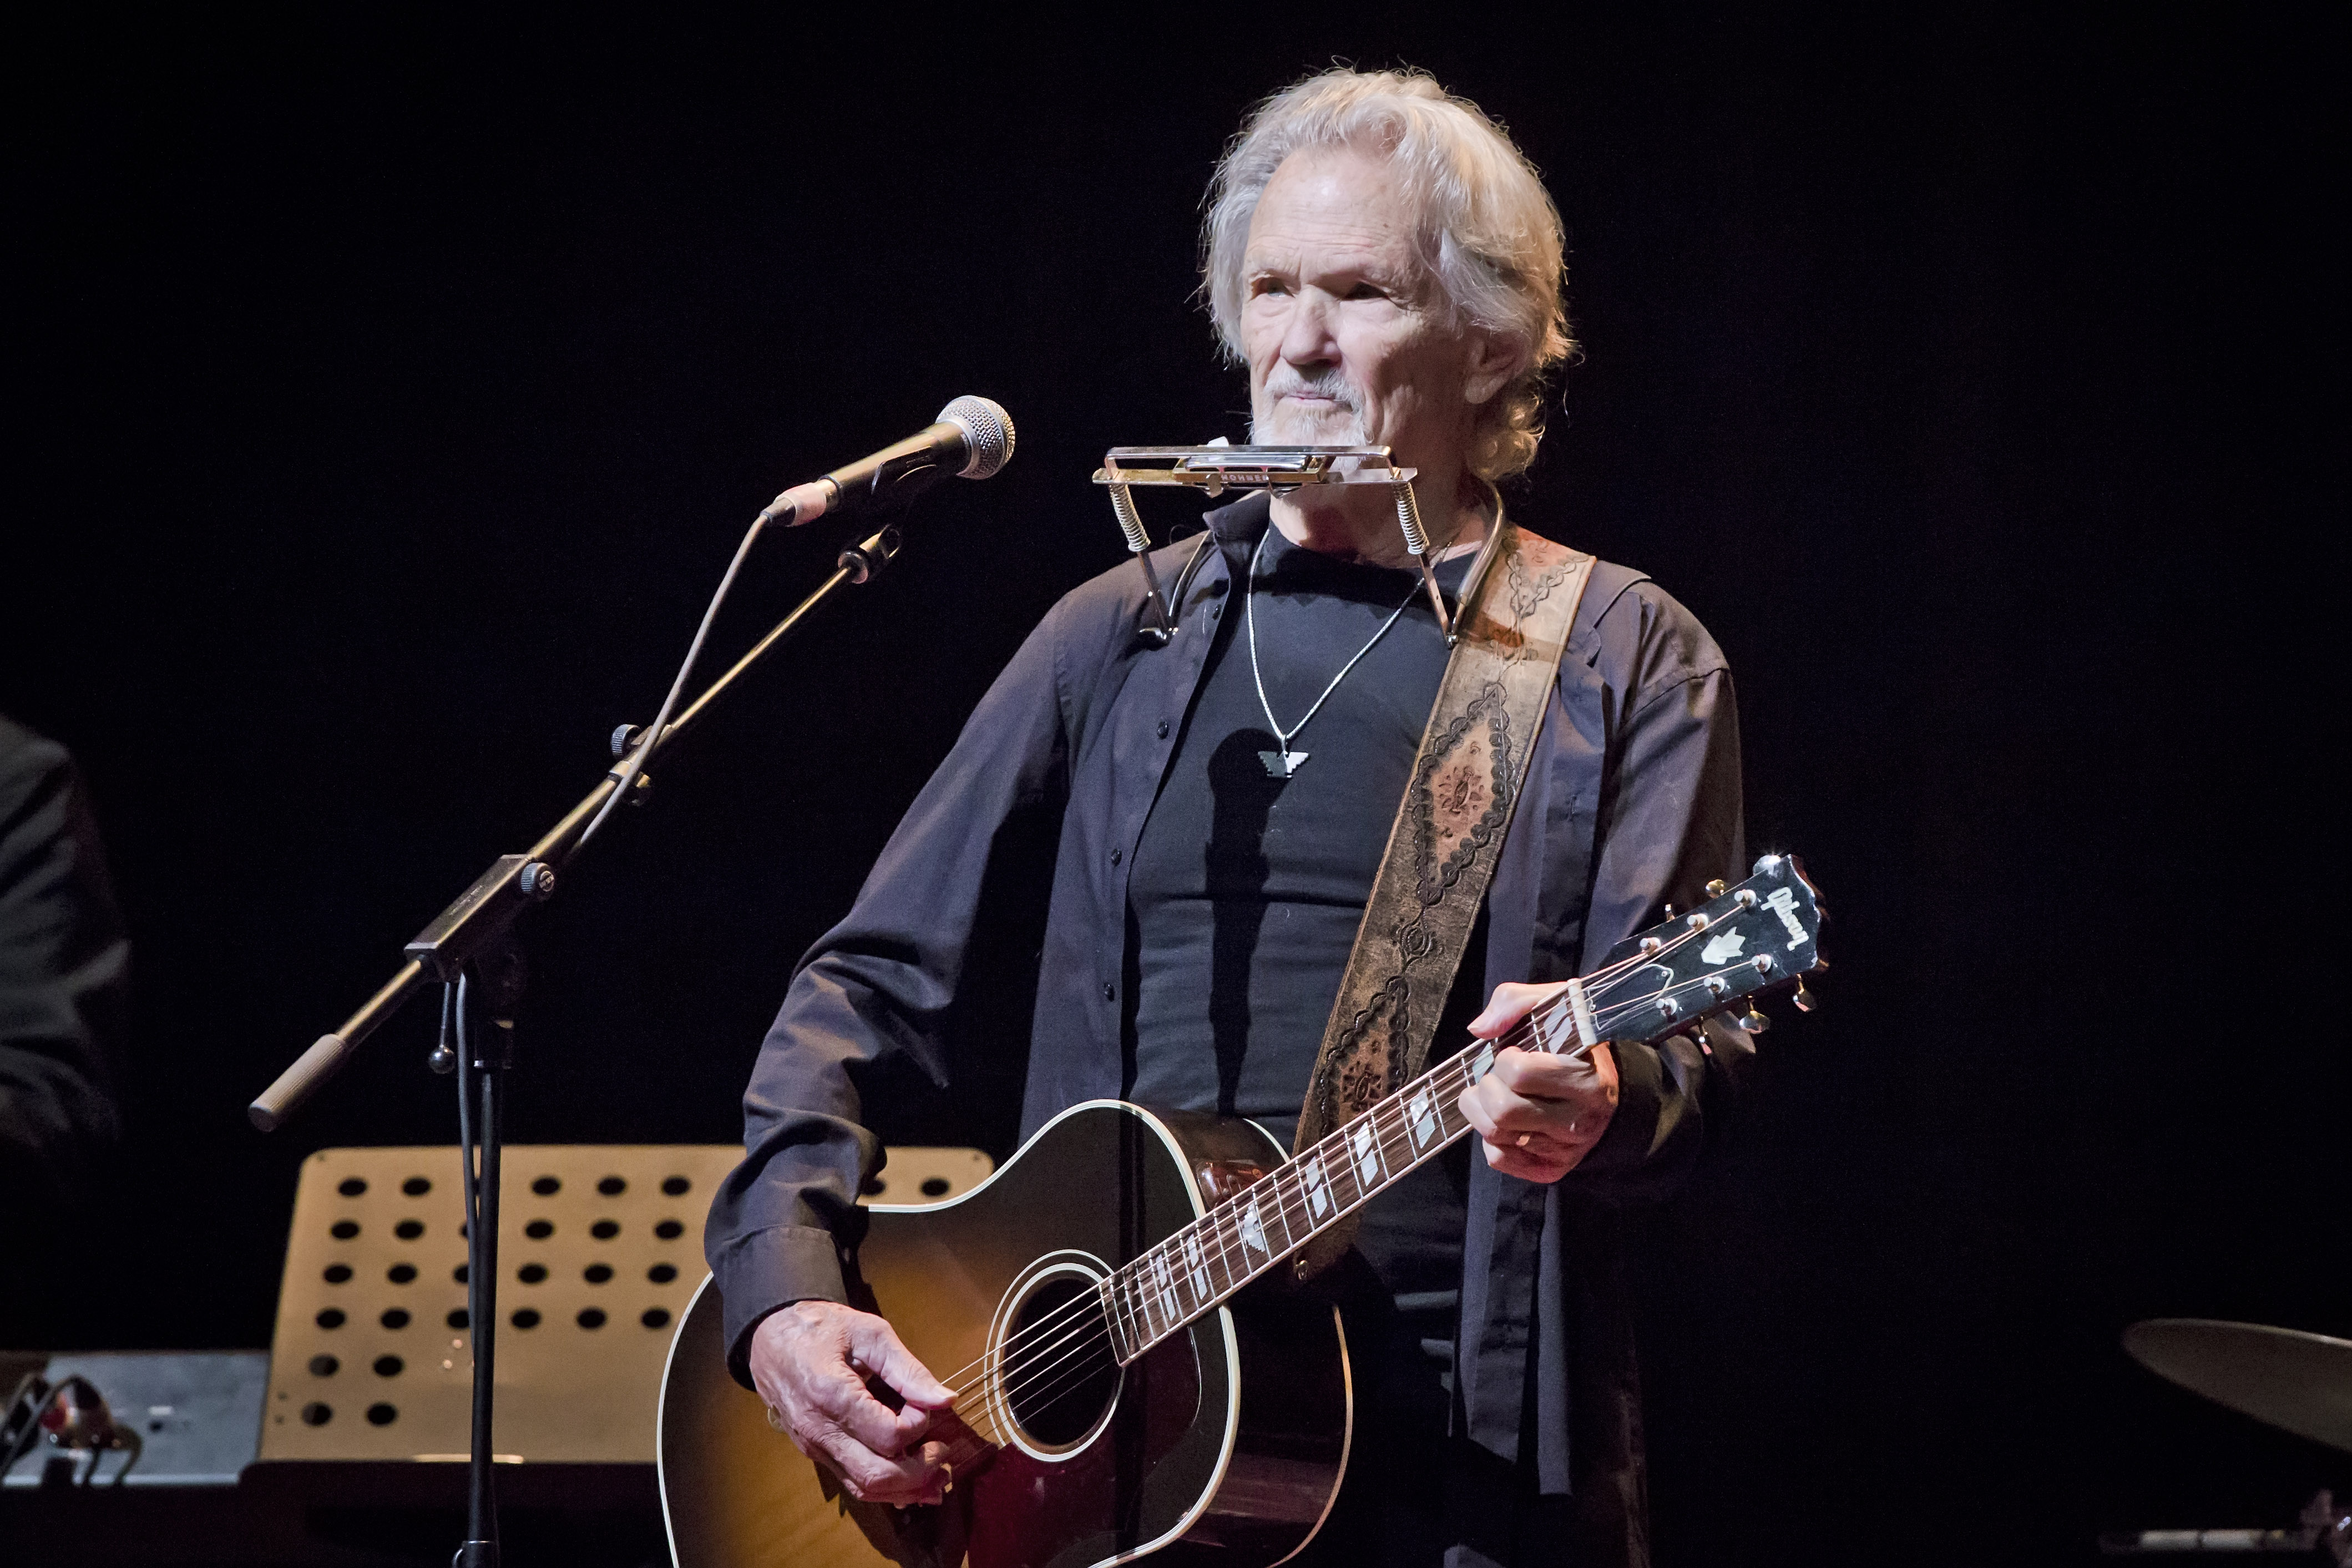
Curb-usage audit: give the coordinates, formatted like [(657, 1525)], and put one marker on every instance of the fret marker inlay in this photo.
[(1319, 1196)]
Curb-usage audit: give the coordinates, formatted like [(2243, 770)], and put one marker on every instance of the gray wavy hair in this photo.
[(1490, 234)]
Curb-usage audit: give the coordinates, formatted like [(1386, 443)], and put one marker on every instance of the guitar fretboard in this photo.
[(1759, 934), (1199, 1266)]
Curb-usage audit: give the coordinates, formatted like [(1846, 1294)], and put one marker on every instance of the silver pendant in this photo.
[(1281, 764)]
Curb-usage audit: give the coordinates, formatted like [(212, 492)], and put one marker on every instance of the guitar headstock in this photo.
[(1763, 935)]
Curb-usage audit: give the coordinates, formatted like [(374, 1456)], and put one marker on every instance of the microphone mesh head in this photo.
[(987, 435)]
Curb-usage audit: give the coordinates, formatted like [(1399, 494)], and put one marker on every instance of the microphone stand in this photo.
[(471, 950)]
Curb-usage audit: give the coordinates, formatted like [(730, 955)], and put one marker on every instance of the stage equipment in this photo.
[(1218, 468), (2323, 1526), (1118, 1390), (973, 437), (176, 1418), (2298, 1382), (470, 947), (602, 1246)]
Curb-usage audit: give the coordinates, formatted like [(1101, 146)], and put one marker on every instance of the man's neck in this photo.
[(1359, 522)]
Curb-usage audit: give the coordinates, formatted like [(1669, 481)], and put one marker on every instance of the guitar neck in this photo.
[(1194, 1271), (1758, 936)]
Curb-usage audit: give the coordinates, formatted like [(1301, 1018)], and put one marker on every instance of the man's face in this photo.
[(1348, 337)]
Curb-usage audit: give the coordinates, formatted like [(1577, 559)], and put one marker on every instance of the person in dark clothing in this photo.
[(65, 972), (1388, 268)]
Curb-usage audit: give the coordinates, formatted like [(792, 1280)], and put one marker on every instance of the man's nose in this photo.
[(1306, 337)]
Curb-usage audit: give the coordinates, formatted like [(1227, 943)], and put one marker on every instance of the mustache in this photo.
[(1327, 384)]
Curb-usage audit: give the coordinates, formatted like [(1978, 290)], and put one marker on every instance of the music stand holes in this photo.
[(675, 1186), (401, 1273), (547, 1186), (539, 1230), (611, 1186), (459, 1320), (317, 1414), (661, 1273), (325, 1366), (409, 1230), (344, 1229), (669, 1230), (526, 1319), (338, 1273), (382, 1414), (870, 1186), (655, 1318), (598, 1273), (416, 1186), (935, 1186), (591, 1318), (604, 1229), (394, 1318), (531, 1273), (351, 1187), (459, 1273), (333, 1318)]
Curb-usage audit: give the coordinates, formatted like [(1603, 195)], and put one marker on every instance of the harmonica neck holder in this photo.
[(1218, 468)]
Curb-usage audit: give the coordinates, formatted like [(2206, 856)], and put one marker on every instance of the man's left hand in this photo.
[(1538, 1115)]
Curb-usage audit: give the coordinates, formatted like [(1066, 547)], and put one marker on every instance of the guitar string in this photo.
[(1022, 1355), (1390, 1123), (1053, 1379), (1043, 1382), (1021, 1352)]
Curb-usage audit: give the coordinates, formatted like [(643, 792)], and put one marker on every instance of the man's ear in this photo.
[(1492, 363)]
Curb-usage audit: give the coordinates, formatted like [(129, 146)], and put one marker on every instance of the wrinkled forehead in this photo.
[(1336, 206)]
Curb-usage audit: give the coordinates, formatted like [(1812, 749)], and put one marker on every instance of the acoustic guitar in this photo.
[(1122, 1388)]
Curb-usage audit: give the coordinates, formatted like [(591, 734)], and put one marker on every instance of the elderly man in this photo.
[(1388, 268)]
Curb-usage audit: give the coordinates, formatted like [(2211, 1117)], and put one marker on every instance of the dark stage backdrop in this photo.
[(389, 399)]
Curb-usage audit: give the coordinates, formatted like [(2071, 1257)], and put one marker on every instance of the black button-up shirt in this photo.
[(1633, 799)]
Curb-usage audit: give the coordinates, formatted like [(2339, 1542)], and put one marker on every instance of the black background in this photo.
[(389, 397)]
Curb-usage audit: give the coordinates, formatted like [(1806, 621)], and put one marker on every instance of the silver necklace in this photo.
[(1281, 764)]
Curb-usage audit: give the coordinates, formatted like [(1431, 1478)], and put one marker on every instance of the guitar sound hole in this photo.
[(1060, 1375)]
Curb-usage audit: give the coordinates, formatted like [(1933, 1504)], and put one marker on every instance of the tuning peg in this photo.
[(1717, 888), (1754, 1022), (1803, 998), (1697, 1036)]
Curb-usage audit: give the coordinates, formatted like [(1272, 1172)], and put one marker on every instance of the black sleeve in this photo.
[(1670, 821), (880, 985), (65, 968)]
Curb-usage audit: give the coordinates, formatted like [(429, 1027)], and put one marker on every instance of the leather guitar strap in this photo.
[(1447, 836)]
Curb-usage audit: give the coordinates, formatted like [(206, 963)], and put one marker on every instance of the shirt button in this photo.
[(1117, 856), (1110, 992), (1163, 729)]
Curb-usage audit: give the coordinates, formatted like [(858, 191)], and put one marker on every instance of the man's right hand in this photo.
[(810, 1362)]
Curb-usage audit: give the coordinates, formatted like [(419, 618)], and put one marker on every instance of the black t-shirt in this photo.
[(1246, 890)]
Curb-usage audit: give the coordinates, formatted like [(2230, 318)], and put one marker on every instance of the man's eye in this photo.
[(1366, 291), (1267, 286)]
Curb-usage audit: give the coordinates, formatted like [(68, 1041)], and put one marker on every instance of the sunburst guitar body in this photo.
[(1227, 1438), (1131, 1377)]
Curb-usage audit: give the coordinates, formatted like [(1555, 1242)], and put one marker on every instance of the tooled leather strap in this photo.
[(1447, 836)]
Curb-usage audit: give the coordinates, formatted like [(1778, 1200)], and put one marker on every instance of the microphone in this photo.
[(973, 437)]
